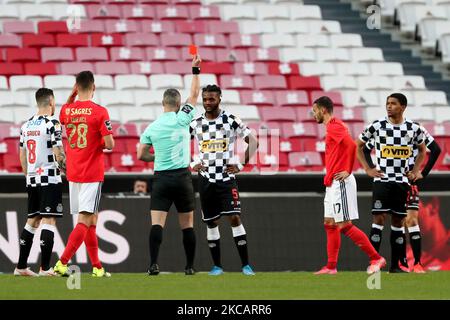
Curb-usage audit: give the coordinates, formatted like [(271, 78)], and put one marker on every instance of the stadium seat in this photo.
[(62, 11), (441, 115), (333, 55), (73, 68), (259, 98), (22, 54), (292, 98), (375, 113), (299, 129), (125, 82), (208, 55), (271, 12), (360, 98), (250, 68), (304, 83), (295, 55), (13, 99), (106, 40), (10, 40), (38, 40), (172, 12), (305, 12), (157, 26), (162, 54), (238, 12), (3, 83), (236, 82), (210, 40), (282, 68), (245, 113), (313, 40), (291, 27), (346, 40), (112, 68), (91, 54), (91, 26), (148, 98), (134, 12), (175, 39), (33, 12), (59, 82), (114, 99), (147, 68), (324, 26), (52, 27), (23, 114), (10, 12), (408, 83), (257, 27), (205, 79), (236, 55), (317, 68), (244, 41), (25, 83), (330, 83), (270, 82), (263, 55), (306, 114), (122, 26), (196, 27), (304, 160), (57, 54), (222, 27), (103, 12), (335, 96), (204, 13), (72, 40), (141, 40), (420, 114), (41, 69), (178, 67), (165, 81), (353, 69), (374, 83), (280, 114), (136, 114), (366, 54), (277, 41), (430, 98), (231, 97), (127, 54), (19, 27)]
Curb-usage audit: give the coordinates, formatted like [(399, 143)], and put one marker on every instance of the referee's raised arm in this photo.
[(195, 85)]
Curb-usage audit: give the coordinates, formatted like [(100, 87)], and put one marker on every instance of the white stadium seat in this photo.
[(386, 68), (104, 82), (231, 97), (116, 99), (239, 12), (291, 27), (366, 54), (408, 83), (165, 81), (430, 98), (296, 55), (273, 12), (346, 40), (3, 83), (374, 83), (27, 83), (333, 55), (137, 114), (360, 98), (125, 82), (332, 83), (307, 12), (245, 113), (313, 40), (148, 98), (15, 99), (277, 41), (59, 82), (205, 79), (420, 114), (36, 12), (257, 27), (442, 114), (353, 68), (317, 69)]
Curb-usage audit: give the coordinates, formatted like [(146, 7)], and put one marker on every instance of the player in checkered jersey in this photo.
[(412, 218), (216, 132), (394, 138), (41, 157)]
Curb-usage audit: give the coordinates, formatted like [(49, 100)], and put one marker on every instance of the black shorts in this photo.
[(172, 186), (389, 197), (413, 198), (219, 198), (45, 201)]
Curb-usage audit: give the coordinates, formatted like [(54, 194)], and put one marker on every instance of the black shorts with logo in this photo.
[(172, 187), (413, 198), (389, 197), (218, 198), (45, 201)]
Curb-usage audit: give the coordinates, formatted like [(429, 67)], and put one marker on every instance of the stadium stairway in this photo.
[(353, 22)]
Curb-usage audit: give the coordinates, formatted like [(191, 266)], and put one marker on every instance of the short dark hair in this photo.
[(400, 97), (43, 96), (212, 88), (85, 80), (325, 102), (171, 97)]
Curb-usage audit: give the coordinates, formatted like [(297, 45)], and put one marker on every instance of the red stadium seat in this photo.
[(356, 129), (236, 82), (335, 96), (263, 55), (18, 27), (232, 55), (210, 40), (91, 26), (106, 40), (52, 27), (250, 68), (10, 40), (305, 114), (57, 54), (38, 40), (172, 12), (111, 68), (147, 68), (125, 130), (178, 67), (73, 68), (141, 40), (9, 130), (122, 26), (204, 13), (21, 55), (305, 160), (125, 161), (121, 2), (103, 12), (299, 129), (192, 27), (306, 83), (217, 68), (281, 114), (277, 68), (162, 54), (352, 114), (290, 145), (40, 69), (11, 69), (189, 3), (292, 98), (270, 82), (138, 12), (155, 2), (258, 98), (175, 39), (223, 27), (11, 162), (158, 26), (72, 40), (92, 54), (265, 128), (315, 145), (244, 41), (127, 54)]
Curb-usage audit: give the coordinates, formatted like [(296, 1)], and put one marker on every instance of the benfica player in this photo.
[(89, 131), (340, 203)]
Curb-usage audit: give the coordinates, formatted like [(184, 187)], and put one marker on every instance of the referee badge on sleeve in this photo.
[(187, 108), (108, 125)]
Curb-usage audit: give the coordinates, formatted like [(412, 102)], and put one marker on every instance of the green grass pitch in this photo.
[(231, 286)]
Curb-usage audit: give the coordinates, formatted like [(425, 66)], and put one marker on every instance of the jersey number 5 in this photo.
[(81, 130)]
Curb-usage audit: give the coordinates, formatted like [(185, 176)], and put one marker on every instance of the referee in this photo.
[(172, 183), (394, 138)]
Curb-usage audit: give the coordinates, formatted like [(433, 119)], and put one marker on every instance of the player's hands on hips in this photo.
[(232, 168), (341, 176), (413, 176), (375, 173), (196, 61)]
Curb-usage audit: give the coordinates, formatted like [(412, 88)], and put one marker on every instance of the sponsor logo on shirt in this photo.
[(79, 111), (396, 152), (218, 145)]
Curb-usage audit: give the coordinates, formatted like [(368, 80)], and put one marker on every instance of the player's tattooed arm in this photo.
[(60, 156), (143, 153), (23, 160)]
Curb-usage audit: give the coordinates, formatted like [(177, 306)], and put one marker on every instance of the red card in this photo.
[(193, 50)]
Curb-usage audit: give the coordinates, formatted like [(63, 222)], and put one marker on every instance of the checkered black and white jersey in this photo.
[(216, 143), (38, 136), (394, 145)]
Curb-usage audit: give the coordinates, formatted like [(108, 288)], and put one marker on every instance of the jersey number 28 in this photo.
[(81, 130)]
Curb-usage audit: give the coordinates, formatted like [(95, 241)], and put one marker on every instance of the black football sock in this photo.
[(415, 239), (47, 235), (375, 236), (155, 239), (213, 237), (26, 241), (189, 243), (240, 239)]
